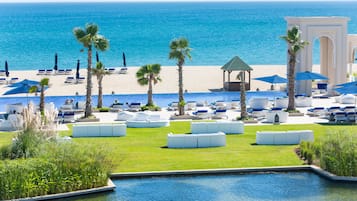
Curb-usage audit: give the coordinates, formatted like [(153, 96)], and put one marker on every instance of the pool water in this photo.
[(293, 186), (161, 100)]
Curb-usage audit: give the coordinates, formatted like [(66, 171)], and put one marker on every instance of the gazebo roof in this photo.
[(236, 64)]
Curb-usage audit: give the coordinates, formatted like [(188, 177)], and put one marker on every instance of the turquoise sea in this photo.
[(30, 34)]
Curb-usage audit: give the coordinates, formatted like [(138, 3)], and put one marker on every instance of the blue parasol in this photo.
[(347, 89), (307, 75), (274, 79), (7, 69), (25, 82), (347, 84), (23, 87)]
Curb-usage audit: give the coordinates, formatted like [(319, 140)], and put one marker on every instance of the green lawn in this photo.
[(142, 149)]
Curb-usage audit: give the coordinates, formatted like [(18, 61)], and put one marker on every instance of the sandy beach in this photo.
[(196, 79)]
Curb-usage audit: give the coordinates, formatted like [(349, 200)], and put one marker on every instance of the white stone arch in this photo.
[(352, 48), (332, 32)]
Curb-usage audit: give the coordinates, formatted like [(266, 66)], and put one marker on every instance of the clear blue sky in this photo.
[(12, 1)]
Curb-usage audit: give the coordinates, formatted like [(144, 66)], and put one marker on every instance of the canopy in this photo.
[(307, 75), (347, 84), (274, 79), (25, 82), (236, 64), (347, 89)]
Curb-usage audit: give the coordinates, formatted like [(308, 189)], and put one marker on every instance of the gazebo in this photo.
[(235, 64)]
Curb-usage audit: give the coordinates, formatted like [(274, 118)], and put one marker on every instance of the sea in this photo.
[(32, 33)]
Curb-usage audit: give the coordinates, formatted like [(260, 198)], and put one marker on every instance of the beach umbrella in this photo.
[(307, 75), (25, 82), (7, 69), (77, 70), (23, 87), (349, 88), (274, 79), (56, 63), (124, 60), (97, 56), (347, 84)]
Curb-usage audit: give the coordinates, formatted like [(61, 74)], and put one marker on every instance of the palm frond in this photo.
[(92, 29)]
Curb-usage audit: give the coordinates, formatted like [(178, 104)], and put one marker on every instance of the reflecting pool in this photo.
[(293, 186)]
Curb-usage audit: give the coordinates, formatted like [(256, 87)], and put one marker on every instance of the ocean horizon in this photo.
[(31, 34)]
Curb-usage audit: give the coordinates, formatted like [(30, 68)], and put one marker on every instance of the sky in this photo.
[(33, 1)]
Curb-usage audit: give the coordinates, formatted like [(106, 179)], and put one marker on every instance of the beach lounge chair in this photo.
[(351, 116), (49, 72), (340, 117), (41, 72), (116, 107), (173, 106), (235, 104), (81, 80), (257, 113), (191, 105), (70, 80), (123, 70), (316, 111), (14, 80), (2, 72), (3, 80), (202, 114), (111, 70), (68, 71), (61, 72), (220, 114), (134, 107), (219, 105), (349, 109), (66, 116)]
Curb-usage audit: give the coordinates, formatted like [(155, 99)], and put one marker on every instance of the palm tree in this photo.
[(243, 105), (179, 50), (149, 74), (100, 71), (295, 44), (89, 37), (43, 84)]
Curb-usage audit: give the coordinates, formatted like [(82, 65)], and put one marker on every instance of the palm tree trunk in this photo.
[(291, 81), (150, 101), (42, 99), (243, 107), (181, 99), (100, 92), (88, 110)]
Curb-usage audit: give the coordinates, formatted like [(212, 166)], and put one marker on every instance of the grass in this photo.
[(143, 149)]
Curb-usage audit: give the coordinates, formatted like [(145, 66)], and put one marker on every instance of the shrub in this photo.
[(58, 168), (150, 107), (104, 109)]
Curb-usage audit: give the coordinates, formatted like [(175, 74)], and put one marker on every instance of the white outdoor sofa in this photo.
[(283, 137), (148, 120), (98, 130), (196, 140), (303, 101), (259, 103), (12, 123), (229, 127)]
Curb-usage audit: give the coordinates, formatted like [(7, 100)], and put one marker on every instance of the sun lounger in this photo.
[(116, 107), (235, 104), (202, 114), (134, 107), (81, 80), (123, 70), (14, 80), (173, 106), (41, 72), (257, 113), (66, 116), (61, 72), (220, 114), (340, 117), (349, 109), (316, 111), (49, 72), (219, 105), (111, 70), (351, 116), (70, 80), (68, 71), (2, 73), (3, 80), (191, 105)]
